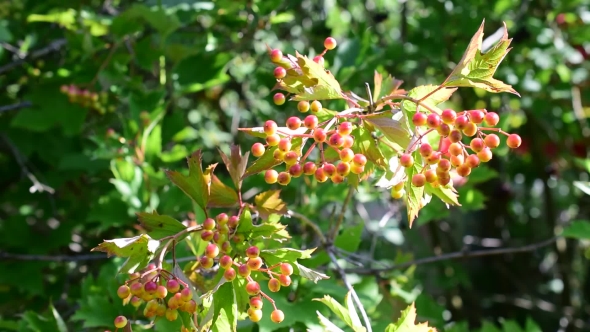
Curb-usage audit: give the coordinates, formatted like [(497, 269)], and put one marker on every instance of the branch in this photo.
[(336, 228), (47, 258), (17, 106), (456, 255), (52, 47), (306, 221)]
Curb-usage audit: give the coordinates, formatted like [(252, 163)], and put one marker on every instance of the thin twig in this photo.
[(48, 258), (355, 297), (306, 221), (52, 47), (336, 228), (456, 255), (17, 106)]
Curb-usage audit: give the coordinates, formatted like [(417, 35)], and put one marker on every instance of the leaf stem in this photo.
[(402, 97)]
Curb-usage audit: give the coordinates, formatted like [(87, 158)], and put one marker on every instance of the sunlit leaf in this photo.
[(236, 164), (265, 162), (310, 274), (159, 226), (221, 195), (269, 202), (195, 185), (325, 86), (406, 323), (392, 129), (139, 250), (286, 255), (579, 229)]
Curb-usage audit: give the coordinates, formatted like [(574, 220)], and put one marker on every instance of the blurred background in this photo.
[(98, 97)]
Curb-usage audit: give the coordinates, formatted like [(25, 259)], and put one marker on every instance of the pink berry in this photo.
[(330, 43), (280, 72), (279, 98), (276, 55)]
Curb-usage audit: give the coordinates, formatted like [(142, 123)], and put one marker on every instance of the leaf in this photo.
[(413, 194), (139, 250), (225, 314), (268, 229), (476, 69), (325, 85), (579, 229), (195, 185), (328, 326), (241, 296), (392, 129), (338, 309), (409, 107), (384, 86), (221, 195), (236, 164), (447, 195), (265, 162), (366, 144), (59, 322), (287, 255), (269, 202), (583, 186), (310, 274), (406, 323), (159, 226), (357, 326)]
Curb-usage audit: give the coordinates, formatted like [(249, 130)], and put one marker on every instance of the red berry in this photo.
[(319, 135), (255, 315), (330, 43), (464, 170), (284, 178), (419, 119), (252, 252), (233, 221), (444, 164), (406, 160), (425, 150), (280, 72), (173, 286), (254, 263), (291, 158), (492, 119), (256, 302), (433, 120), (513, 141), (123, 292), (277, 316), (461, 122), (270, 127), (359, 159), (207, 235), (252, 288), (472, 161), (345, 128), (209, 224), (273, 140), (286, 269), (357, 169), (476, 116), (316, 106), (346, 155), (320, 175), (278, 155), (336, 140), (276, 55), (212, 250), (343, 169), (222, 218), (457, 160), (309, 168), (303, 106), (477, 144), (285, 280), (206, 262), (329, 169), (271, 176), (430, 175), (161, 292), (444, 129), (419, 180), (348, 141), (492, 141), (296, 170), (319, 60), (470, 129), (136, 289), (120, 322), (150, 287), (274, 285), (310, 122), (279, 98), (185, 294), (229, 274), (455, 149), (284, 144), (434, 158), (293, 123), (448, 116), (455, 136)]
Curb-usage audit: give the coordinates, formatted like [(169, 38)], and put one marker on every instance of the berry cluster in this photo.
[(87, 99), (452, 152)]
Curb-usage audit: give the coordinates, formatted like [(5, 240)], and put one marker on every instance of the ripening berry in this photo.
[(150, 287), (252, 252), (286, 269), (171, 314), (470, 129), (434, 158), (255, 315), (279, 98), (206, 262), (284, 144), (185, 294), (270, 127), (190, 307), (279, 155), (161, 292), (444, 164), (207, 235), (455, 136), (252, 288), (419, 180), (472, 161), (444, 129), (303, 106), (212, 250), (147, 296), (477, 144), (492, 141), (285, 280), (399, 186), (219, 238), (277, 316), (136, 289), (225, 247), (419, 119), (329, 169), (320, 175), (425, 150), (461, 122), (123, 292), (346, 155), (330, 43), (348, 141), (310, 122), (258, 150), (513, 141), (359, 159), (337, 178), (274, 285), (296, 170), (229, 274), (293, 123), (343, 169), (284, 178), (448, 116), (345, 128), (492, 119), (455, 149), (319, 135), (406, 160), (316, 106), (433, 120), (254, 263), (476, 116), (136, 301), (222, 218), (173, 286), (161, 311), (256, 302), (444, 180), (356, 169), (273, 140), (336, 140), (397, 194), (233, 221), (223, 229), (430, 175), (464, 170), (271, 176), (457, 160), (120, 322), (485, 155), (276, 55), (319, 60), (174, 302), (280, 72), (309, 168), (209, 224)]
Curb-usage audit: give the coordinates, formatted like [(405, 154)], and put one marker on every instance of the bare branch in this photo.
[(17, 106), (52, 47), (336, 228), (48, 258), (306, 221)]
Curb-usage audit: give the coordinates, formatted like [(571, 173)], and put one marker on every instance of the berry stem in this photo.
[(269, 299), (308, 152), (499, 130), (403, 97)]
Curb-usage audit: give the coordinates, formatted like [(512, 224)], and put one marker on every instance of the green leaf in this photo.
[(414, 194), (392, 129), (338, 309), (268, 229), (384, 86), (583, 186), (357, 326), (409, 108), (221, 195), (236, 164), (406, 323), (195, 185), (310, 274), (139, 250), (327, 324), (476, 69), (225, 315), (366, 145), (265, 162), (325, 86), (287, 255), (269, 202), (242, 297), (59, 322), (159, 226), (164, 22), (579, 229), (447, 195)]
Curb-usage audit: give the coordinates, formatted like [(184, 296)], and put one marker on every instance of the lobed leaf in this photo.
[(325, 86), (446, 194), (414, 194), (268, 229), (409, 107), (406, 323), (139, 250), (225, 309), (236, 164), (196, 184), (265, 162), (221, 195), (269, 202), (338, 309), (159, 226), (286, 255), (310, 274), (392, 129)]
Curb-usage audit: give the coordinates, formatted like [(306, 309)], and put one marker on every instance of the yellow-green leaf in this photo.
[(270, 202), (325, 85), (406, 323), (159, 226), (196, 184), (221, 195)]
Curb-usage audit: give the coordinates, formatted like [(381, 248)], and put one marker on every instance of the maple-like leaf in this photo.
[(221, 195), (414, 194), (270, 202), (436, 95), (139, 250), (406, 323), (476, 69), (196, 184), (324, 84), (236, 164), (159, 226)]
